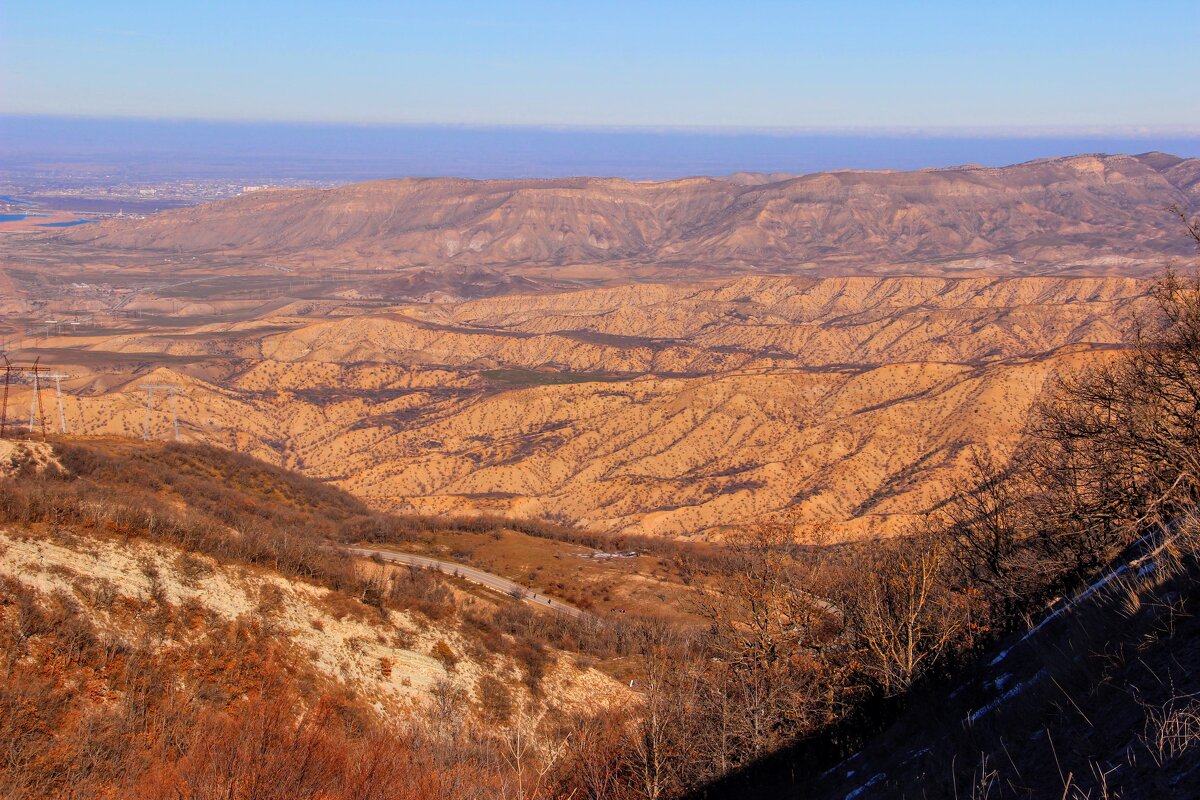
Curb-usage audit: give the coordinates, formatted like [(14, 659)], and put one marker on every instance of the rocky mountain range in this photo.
[(1097, 214)]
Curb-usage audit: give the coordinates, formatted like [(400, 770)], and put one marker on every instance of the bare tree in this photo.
[(598, 755), (991, 531), (904, 617), (531, 753), (1115, 450), (773, 640)]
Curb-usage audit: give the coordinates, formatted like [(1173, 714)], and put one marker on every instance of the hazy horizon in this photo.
[(145, 149), (268, 90)]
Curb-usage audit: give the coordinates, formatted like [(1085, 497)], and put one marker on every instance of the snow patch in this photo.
[(874, 780), (1004, 698)]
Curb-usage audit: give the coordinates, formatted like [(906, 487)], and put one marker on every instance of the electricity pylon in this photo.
[(62, 414), (171, 393), (37, 411)]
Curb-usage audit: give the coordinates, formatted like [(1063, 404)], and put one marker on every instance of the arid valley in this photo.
[(664, 393), (615, 401), (566, 488)]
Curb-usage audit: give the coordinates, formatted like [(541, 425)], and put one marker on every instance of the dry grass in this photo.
[(1173, 728)]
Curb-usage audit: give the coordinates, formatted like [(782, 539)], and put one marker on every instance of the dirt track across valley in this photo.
[(473, 575)]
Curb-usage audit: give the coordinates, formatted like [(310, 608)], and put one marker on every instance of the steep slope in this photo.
[(1084, 210), (1096, 697)]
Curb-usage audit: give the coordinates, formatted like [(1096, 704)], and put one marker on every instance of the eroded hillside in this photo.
[(664, 409)]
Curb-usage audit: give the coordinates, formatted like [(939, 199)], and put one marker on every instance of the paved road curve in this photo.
[(473, 575)]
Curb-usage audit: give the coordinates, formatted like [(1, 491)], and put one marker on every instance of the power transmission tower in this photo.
[(35, 373), (8, 369), (62, 415), (37, 411), (171, 391)]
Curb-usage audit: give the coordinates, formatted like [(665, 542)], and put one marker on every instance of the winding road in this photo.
[(495, 582)]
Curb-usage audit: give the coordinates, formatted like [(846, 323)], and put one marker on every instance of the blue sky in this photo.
[(758, 64)]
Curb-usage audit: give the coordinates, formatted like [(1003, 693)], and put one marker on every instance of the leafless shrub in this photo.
[(494, 698), (191, 569)]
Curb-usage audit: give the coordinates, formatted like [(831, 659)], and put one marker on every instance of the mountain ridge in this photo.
[(1041, 213)]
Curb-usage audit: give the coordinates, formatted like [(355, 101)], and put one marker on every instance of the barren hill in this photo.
[(1094, 212), (668, 409)]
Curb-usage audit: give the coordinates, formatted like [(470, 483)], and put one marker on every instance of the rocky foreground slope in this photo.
[(1102, 214), (208, 532), (179, 621)]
